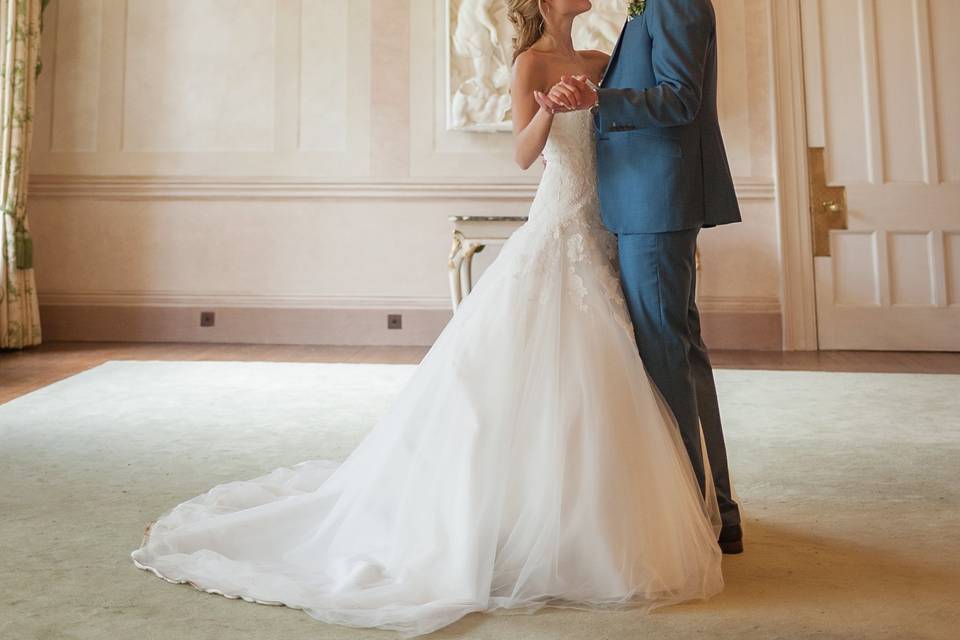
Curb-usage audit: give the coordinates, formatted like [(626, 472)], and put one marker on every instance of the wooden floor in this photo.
[(22, 371)]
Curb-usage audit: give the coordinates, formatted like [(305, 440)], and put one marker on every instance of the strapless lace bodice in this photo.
[(571, 140), (571, 171), (564, 240)]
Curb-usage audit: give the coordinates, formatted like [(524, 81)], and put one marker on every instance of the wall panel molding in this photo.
[(215, 188), (112, 99), (113, 63), (199, 76), (78, 76)]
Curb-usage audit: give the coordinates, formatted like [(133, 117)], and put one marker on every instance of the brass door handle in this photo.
[(828, 204), (831, 206)]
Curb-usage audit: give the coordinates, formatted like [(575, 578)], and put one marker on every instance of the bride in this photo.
[(529, 461)]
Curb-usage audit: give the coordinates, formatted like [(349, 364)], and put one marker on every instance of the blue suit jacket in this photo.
[(661, 164)]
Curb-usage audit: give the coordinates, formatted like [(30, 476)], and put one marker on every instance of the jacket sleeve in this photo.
[(680, 31)]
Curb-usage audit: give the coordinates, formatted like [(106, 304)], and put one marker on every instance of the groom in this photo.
[(662, 175)]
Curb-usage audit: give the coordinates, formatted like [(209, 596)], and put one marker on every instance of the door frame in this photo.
[(798, 306)]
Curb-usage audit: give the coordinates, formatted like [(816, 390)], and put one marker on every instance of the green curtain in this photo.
[(19, 70)]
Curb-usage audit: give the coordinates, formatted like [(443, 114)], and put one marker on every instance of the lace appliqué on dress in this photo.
[(565, 218)]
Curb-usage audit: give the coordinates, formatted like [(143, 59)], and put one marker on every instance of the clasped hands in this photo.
[(570, 94)]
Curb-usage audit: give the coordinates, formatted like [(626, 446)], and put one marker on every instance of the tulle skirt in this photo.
[(529, 461)]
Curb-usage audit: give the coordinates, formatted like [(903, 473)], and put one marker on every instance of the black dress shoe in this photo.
[(731, 539)]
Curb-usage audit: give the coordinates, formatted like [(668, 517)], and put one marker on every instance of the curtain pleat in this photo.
[(20, 67)]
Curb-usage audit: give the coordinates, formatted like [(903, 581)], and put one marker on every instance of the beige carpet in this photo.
[(849, 484)]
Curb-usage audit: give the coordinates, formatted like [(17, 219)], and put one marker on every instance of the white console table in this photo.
[(470, 235)]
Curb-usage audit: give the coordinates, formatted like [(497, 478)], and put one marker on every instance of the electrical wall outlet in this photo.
[(394, 321), (207, 318)]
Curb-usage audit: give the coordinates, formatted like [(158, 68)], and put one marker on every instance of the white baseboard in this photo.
[(249, 325), (728, 323)]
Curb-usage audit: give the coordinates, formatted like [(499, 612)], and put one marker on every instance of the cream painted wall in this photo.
[(289, 154)]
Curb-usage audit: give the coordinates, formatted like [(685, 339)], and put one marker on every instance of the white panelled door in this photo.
[(883, 101)]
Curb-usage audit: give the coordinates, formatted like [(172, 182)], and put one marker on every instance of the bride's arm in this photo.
[(531, 122)]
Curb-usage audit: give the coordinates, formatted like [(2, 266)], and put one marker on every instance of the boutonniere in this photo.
[(635, 8)]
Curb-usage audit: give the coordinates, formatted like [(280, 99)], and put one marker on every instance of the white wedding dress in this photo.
[(528, 462)]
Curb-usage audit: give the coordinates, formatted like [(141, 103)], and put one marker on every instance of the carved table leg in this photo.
[(454, 264), (472, 249)]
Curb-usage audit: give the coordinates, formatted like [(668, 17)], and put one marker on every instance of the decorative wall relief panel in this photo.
[(480, 56)]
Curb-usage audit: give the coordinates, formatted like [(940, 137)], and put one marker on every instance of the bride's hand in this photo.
[(547, 104)]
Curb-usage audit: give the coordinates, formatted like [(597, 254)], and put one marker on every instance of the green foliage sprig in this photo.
[(635, 8)]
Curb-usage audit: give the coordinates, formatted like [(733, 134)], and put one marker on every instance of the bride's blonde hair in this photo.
[(528, 24)]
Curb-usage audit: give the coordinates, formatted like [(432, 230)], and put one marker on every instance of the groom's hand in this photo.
[(582, 96), (565, 96), (570, 94)]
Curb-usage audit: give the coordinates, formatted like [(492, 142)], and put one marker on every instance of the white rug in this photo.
[(848, 483)]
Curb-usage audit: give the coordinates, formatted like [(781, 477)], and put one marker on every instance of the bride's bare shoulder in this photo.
[(528, 66), (529, 57)]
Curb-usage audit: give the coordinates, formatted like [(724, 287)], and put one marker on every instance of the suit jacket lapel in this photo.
[(613, 56)]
